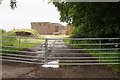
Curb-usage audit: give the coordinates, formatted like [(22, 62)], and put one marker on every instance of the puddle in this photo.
[(52, 64)]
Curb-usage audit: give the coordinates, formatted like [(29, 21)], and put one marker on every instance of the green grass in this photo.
[(113, 67), (28, 42), (21, 43), (10, 42)]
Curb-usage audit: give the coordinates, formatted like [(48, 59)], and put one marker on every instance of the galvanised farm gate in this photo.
[(68, 51)]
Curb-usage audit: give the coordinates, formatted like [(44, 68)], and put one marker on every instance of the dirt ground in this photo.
[(17, 70)]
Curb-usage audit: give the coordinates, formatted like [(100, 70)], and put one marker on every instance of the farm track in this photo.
[(18, 70)]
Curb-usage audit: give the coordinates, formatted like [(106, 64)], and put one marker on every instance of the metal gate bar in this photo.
[(52, 51)]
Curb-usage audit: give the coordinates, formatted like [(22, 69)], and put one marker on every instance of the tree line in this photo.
[(91, 19)]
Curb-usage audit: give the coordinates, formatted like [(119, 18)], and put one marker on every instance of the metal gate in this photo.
[(83, 51), (22, 50), (68, 51)]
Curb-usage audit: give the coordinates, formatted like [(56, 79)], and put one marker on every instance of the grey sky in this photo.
[(88, 0), (27, 11)]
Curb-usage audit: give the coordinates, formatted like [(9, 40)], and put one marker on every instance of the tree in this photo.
[(91, 19), (12, 3)]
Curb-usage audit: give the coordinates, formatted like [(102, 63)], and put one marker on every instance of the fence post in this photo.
[(117, 46), (19, 41), (46, 50), (99, 48)]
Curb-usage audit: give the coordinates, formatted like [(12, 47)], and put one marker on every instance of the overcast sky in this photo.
[(27, 11)]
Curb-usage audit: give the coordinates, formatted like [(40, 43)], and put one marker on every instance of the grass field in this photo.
[(11, 41), (19, 44)]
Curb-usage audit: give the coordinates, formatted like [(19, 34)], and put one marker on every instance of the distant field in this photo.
[(12, 41), (19, 44), (28, 42)]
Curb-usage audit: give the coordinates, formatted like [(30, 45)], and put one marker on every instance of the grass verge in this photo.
[(114, 67)]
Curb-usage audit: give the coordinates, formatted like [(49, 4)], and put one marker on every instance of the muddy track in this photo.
[(71, 72)]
